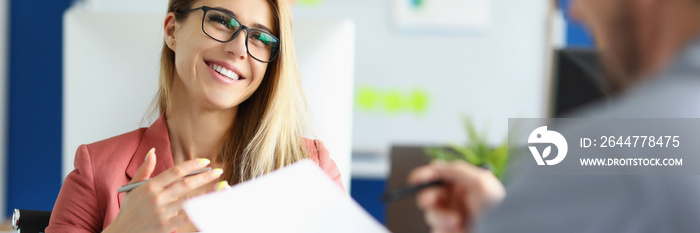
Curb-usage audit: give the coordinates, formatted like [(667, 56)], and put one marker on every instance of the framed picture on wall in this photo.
[(441, 15)]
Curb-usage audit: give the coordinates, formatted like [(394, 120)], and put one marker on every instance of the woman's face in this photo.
[(197, 56)]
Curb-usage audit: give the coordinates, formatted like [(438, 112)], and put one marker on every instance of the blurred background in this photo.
[(385, 80)]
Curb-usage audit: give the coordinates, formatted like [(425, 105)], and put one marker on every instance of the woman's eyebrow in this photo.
[(227, 11), (256, 25), (262, 27)]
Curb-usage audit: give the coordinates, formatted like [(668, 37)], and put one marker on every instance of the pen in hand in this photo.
[(397, 194), (129, 187)]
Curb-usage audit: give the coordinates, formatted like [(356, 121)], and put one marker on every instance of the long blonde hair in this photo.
[(268, 130)]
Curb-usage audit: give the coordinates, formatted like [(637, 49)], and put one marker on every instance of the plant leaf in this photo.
[(440, 154)]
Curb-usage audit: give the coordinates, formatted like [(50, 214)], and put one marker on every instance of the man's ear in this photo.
[(169, 29)]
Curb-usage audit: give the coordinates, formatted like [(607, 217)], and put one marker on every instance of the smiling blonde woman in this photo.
[(229, 98)]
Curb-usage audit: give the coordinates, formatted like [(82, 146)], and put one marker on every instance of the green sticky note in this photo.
[(367, 98), (393, 101), (419, 101), (310, 2)]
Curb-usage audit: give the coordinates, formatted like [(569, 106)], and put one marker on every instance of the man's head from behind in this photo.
[(637, 37)]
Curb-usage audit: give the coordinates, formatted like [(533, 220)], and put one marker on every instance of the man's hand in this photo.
[(467, 193)]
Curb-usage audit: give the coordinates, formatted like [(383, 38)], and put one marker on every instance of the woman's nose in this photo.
[(237, 46)]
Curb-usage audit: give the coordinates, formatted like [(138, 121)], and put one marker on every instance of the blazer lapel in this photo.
[(156, 136)]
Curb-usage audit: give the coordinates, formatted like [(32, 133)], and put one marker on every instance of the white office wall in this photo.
[(106, 92), (326, 57), (489, 75), (132, 6), (4, 92)]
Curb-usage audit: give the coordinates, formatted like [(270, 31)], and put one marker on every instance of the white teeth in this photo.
[(223, 71)]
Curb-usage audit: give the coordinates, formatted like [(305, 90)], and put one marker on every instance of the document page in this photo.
[(296, 198)]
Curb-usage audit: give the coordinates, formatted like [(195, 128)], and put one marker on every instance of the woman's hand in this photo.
[(468, 192), (156, 206)]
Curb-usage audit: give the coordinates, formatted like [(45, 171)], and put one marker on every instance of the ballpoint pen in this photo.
[(406, 191), (129, 187), (396, 194)]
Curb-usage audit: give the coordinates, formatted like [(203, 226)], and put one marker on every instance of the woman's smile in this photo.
[(225, 73)]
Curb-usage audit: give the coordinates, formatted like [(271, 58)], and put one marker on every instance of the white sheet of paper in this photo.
[(296, 198)]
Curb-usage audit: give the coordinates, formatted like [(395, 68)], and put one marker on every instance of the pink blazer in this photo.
[(88, 200)]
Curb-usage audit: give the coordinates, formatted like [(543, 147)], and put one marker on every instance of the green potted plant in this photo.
[(476, 151)]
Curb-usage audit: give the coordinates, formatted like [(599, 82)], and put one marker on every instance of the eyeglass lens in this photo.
[(222, 27)]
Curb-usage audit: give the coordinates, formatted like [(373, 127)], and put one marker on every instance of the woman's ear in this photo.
[(169, 29)]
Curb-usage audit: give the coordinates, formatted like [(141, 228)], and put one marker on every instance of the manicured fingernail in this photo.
[(204, 161), (150, 152), (223, 185), (217, 172)]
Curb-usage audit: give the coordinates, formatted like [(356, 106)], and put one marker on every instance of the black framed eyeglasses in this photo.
[(223, 27)]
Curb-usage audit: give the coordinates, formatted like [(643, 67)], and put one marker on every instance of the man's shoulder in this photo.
[(597, 203), (666, 96)]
